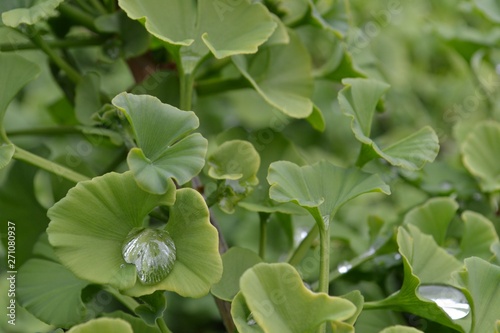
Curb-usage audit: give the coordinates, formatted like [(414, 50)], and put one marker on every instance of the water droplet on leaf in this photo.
[(250, 320), (344, 267), (449, 299), (153, 253)]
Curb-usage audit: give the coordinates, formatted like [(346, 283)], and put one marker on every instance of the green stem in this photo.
[(78, 15), (128, 301), (186, 82), (304, 246), (263, 234), (60, 62), (42, 163), (54, 44), (324, 265), (162, 325)]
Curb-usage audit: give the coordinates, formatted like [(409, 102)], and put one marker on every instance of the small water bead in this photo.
[(344, 267), (153, 253), (449, 299), (250, 320)]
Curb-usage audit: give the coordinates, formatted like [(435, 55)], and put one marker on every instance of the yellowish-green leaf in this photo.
[(103, 325), (31, 15), (480, 150), (274, 298), (166, 149)]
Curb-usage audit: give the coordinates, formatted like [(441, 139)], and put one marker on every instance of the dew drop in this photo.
[(153, 253), (326, 220), (449, 299), (446, 186), (344, 267), (250, 320)]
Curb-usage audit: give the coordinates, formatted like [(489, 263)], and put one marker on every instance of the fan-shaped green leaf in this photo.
[(358, 100), (278, 301), (195, 28), (321, 188), (235, 262), (6, 153), (39, 11), (165, 148), (88, 226), (198, 264), (425, 263), (235, 160), (15, 73), (480, 150), (481, 280), (103, 325), (478, 238), (282, 76), (51, 292), (433, 217)]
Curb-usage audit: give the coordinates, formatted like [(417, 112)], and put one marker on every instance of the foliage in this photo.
[(311, 165)]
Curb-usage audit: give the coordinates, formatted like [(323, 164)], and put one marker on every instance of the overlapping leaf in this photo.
[(103, 325), (15, 73), (194, 29), (480, 150), (481, 280), (6, 153), (321, 188), (433, 217), (49, 290), (165, 147), (282, 76), (358, 100), (425, 263), (235, 261), (400, 329), (273, 298), (479, 237), (88, 238), (31, 15)]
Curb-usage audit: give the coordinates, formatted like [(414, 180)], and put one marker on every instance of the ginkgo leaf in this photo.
[(195, 28), (433, 217), (282, 76), (400, 329), (89, 238), (51, 292), (358, 101), (31, 15), (429, 289), (236, 160), (321, 188), (15, 73), (479, 155), (103, 325), (479, 237), (273, 298), (166, 149), (481, 280)]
